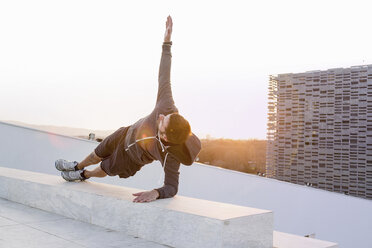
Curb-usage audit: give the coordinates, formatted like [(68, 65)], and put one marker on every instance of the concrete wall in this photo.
[(297, 209)]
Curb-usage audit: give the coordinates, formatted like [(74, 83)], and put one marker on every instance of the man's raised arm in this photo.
[(165, 98)]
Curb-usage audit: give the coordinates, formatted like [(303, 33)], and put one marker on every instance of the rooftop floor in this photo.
[(23, 226)]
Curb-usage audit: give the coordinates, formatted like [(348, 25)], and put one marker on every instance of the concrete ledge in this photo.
[(178, 221)]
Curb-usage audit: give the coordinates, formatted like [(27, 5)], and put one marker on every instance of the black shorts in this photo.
[(115, 160)]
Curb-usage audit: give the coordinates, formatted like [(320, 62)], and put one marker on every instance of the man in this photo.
[(163, 135)]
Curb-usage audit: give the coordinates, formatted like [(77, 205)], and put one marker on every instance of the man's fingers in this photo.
[(143, 199), (169, 22), (138, 199)]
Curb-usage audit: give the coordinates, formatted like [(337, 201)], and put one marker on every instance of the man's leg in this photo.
[(89, 160), (96, 172)]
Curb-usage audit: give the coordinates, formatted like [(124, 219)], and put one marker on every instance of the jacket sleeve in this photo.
[(164, 100), (171, 170)]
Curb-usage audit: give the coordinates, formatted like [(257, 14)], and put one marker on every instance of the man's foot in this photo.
[(73, 175), (64, 165)]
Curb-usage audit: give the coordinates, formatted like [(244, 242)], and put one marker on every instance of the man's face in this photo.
[(163, 124)]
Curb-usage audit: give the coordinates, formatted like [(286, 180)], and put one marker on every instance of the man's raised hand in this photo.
[(168, 29)]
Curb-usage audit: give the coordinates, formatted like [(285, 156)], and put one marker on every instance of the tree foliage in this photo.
[(242, 155)]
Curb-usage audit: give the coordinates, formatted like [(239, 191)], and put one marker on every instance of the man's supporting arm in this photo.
[(171, 179)]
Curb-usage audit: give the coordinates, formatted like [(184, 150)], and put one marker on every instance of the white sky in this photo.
[(94, 64)]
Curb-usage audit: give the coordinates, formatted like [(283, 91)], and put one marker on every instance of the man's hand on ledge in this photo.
[(146, 196)]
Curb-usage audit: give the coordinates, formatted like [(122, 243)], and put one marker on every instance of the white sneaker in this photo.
[(64, 165), (72, 175)]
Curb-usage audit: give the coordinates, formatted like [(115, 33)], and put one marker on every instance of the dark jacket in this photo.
[(143, 143)]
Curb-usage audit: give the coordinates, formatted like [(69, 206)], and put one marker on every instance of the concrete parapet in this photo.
[(177, 222)]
